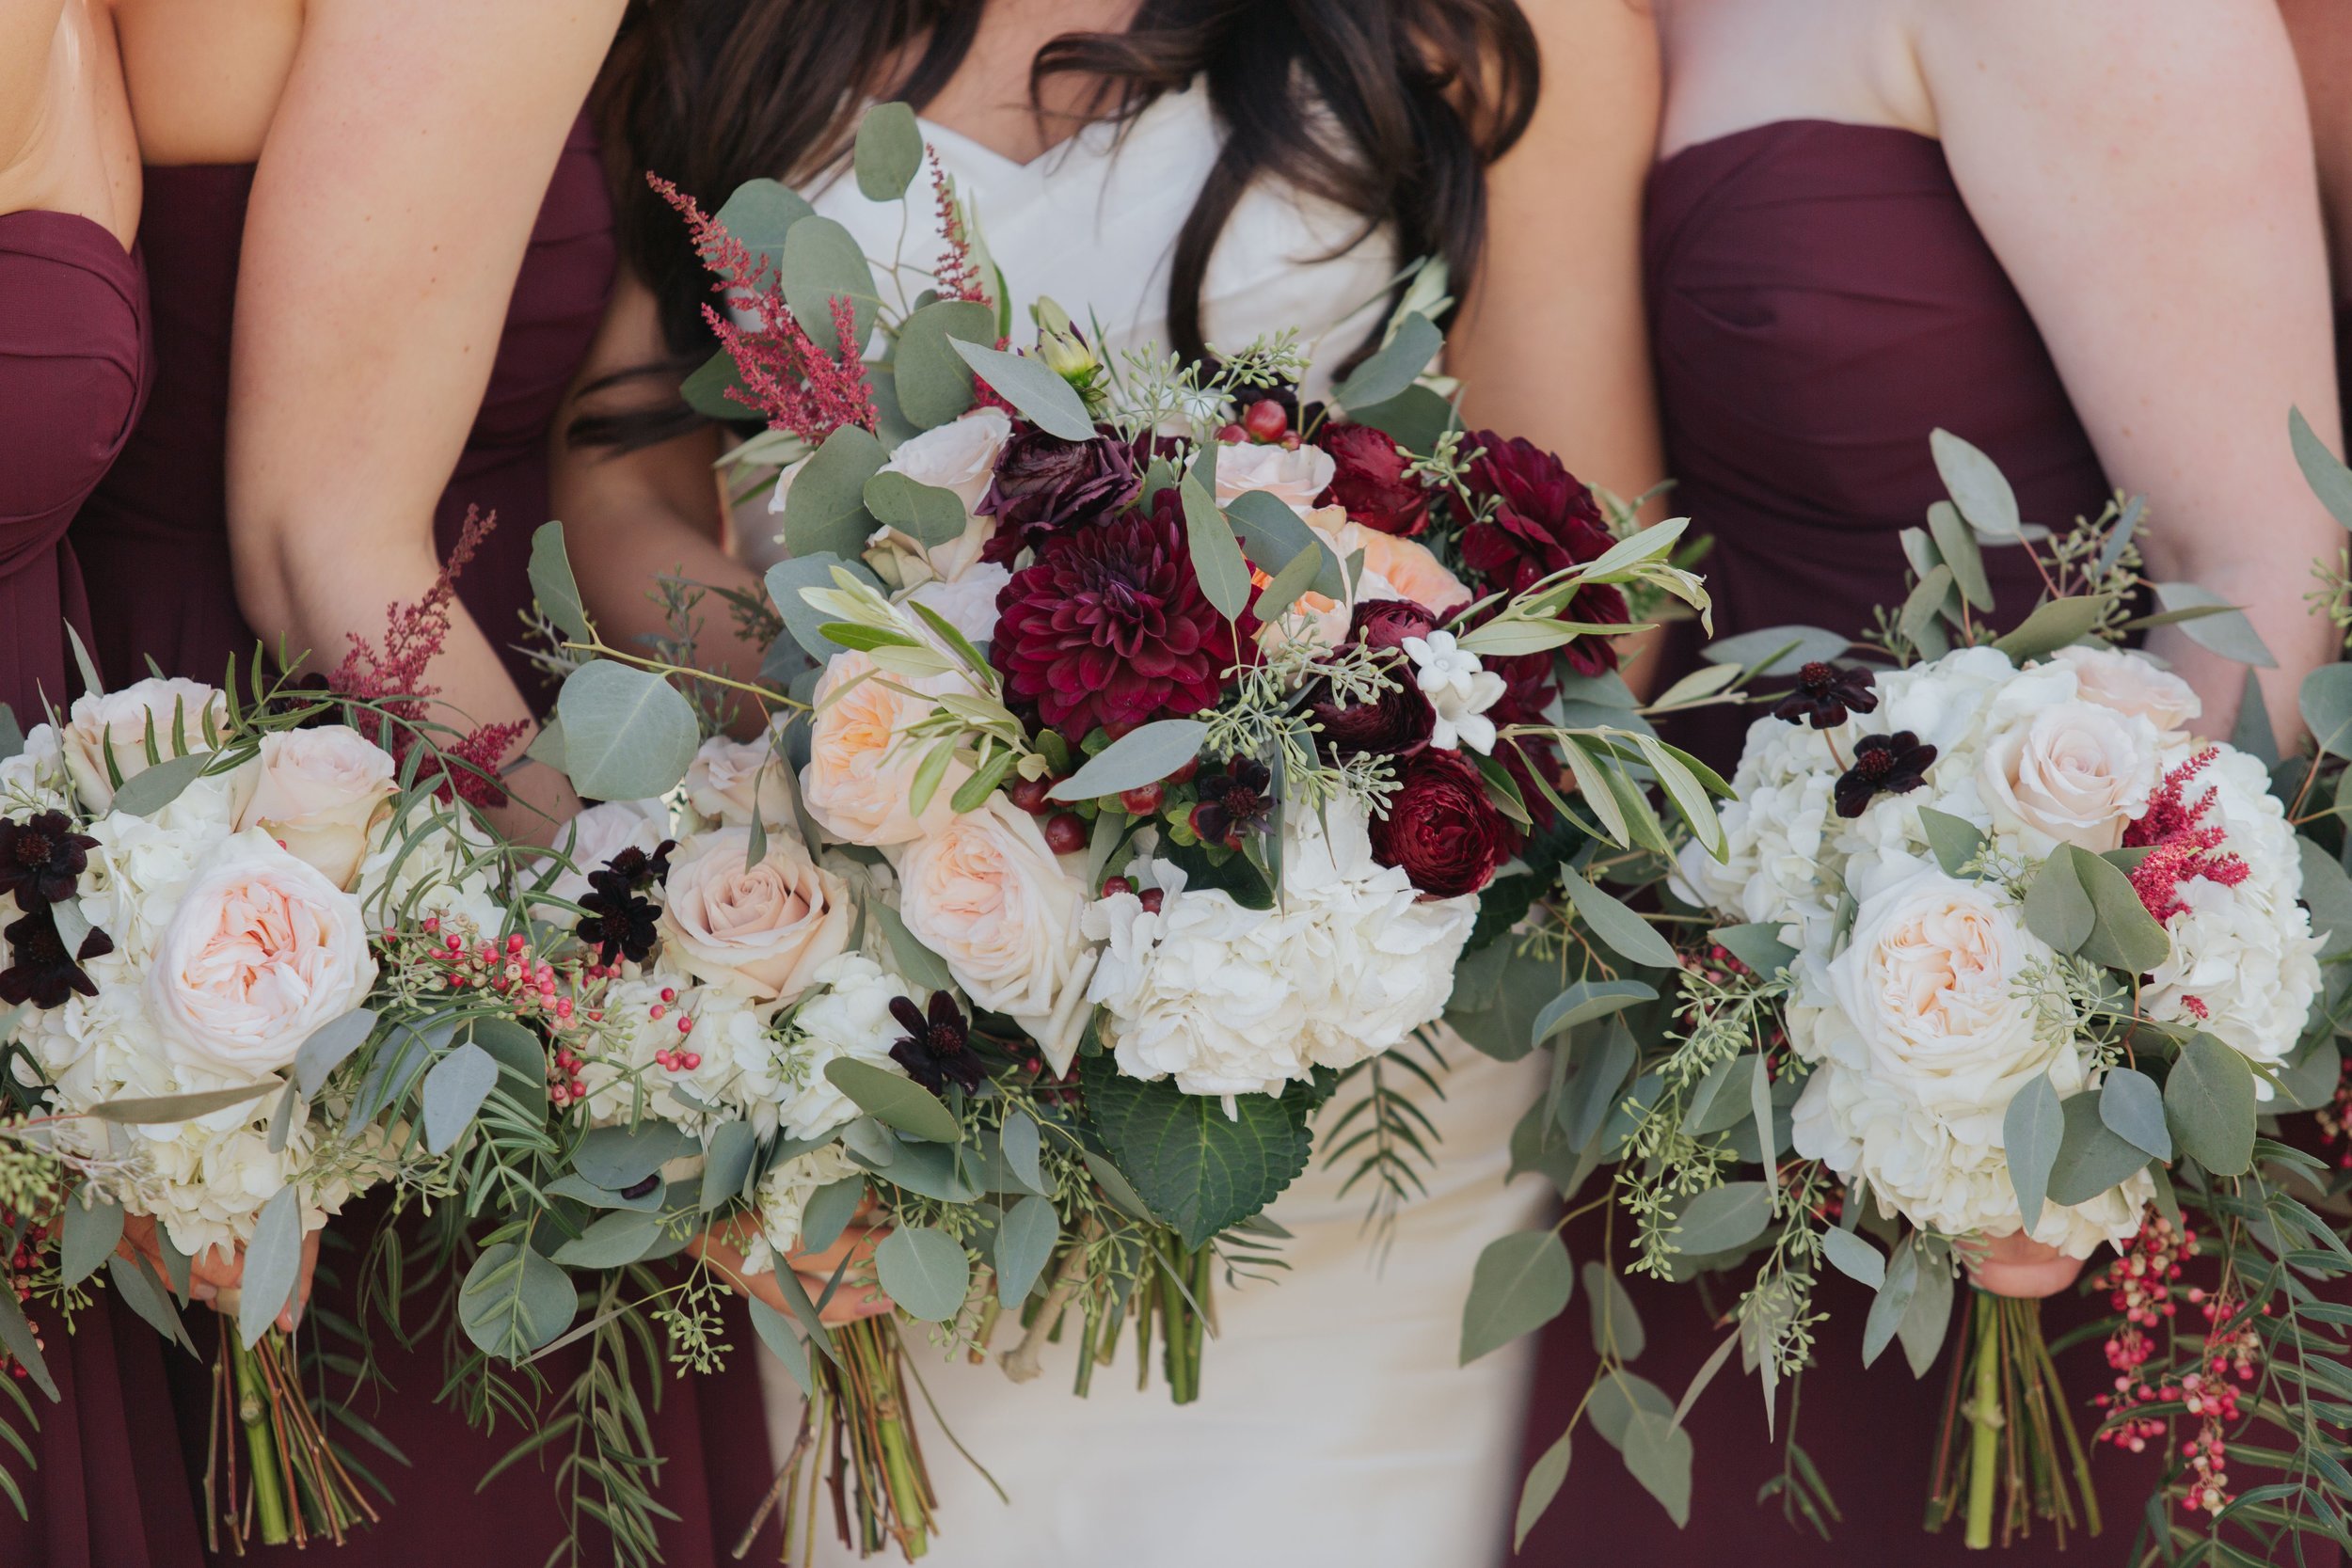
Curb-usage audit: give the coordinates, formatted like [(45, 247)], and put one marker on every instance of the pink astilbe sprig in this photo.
[(2182, 845), (788, 380), (957, 276), (393, 680)]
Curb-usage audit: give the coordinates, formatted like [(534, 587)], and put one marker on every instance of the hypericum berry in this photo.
[(1142, 802), (1029, 795), (1184, 774), (1153, 898), (1065, 834), (655, 1011), (1267, 419), (1114, 886), (1232, 435)]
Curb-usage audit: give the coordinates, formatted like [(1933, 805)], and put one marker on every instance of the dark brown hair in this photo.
[(1389, 108)]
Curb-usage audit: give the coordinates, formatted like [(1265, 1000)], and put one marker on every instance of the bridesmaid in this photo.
[(379, 250), (104, 1488), (2002, 219), (2323, 46)]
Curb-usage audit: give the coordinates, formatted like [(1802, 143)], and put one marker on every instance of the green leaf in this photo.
[(1024, 1243), (1395, 365), (454, 1092), (1756, 945), (1543, 1483), (1586, 999), (2132, 1107), (1776, 650), (2091, 1158), (2323, 470), (918, 964), (1040, 397), (1977, 486), (1927, 1315), (163, 1110), (135, 1281), (1721, 1101), (2228, 633), (552, 584), (273, 1266), (924, 1271), (924, 513), (515, 1302), (802, 620), (93, 1225), (618, 1158), (829, 1211), (1957, 546), (1723, 1218), (2329, 892), (1892, 1301), (775, 1332), (327, 1046), (728, 1151), (1521, 1282), (2031, 1130), (2055, 623), (2326, 701), (1955, 840), (704, 391), (1019, 1143), (934, 382), (1854, 1258), (1920, 608), (895, 1099), (823, 263), (1143, 755), (889, 152), (1273, 537), (621, 1237), (2123, 934), (627, 733), (2209, 1102), (1415, 418), (1217, 557), (1657, 1452), (760, 213), (146, 793), (2057, 909), (824, 511), (23, 1345), (1612, 1319), (1287, 584), (1625, 933), (1194, 1166)]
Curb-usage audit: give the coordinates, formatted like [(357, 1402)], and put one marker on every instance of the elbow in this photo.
[(266, 579)]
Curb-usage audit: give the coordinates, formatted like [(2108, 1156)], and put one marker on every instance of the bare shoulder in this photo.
[(2091, 59), (1600, 86)]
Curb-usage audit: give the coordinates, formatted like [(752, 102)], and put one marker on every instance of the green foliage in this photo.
[(1201, 1168), (1521, 1282)]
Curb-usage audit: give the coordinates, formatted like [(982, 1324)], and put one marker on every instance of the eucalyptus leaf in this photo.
[(1617, 1328), (618, 1158), (149, 791), (706, 390), (1589, 1095), (23, 1345), (552, 584), (2209, 1104), (1415, 418), (1892, 1301), (327, 1046), (918, 964), (1928, 1315), (824, 509), (513, 1301), (1723, 1218), (2326, 701), (1925, 602), (1024, 1243), (888, 153), (93, 1225), (2124, 935), (894, 1100), (1776, 650), (1587, 998), (273, 1266), (627, 733), (2329, 892), (1217, 557), (454, 1092), (2091, 1158), (1756, 945), (622, 1236), (2323, 470), (1659, 1454), (728, 1151), (803, 620), (2054, 624), (2228, 633), (1397, 365), (1977, 484), (1020, 1142), (2031, 1131), (162, 1110), (823, 262), (924, 1271), (775, 1332), (1273, 537), (934, 384), (1041, 397), (1625, 933), (760, 213), (1955, 840), (1521, 1282), (1143, 755), (1719, 1102), (2057, 906), (2133, 1108), (829, 1211), (924, 513), (1854, 1258), (1542, 1484)]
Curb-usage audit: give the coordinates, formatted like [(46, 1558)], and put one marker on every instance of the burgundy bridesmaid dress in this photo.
[(1821, 300), (155, 539), (105, 1490)]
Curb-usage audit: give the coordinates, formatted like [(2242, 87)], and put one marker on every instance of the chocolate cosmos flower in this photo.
[(1825, 694), (40, 971), (619, 921), (1891, 763), (1236, 800), (41, 857), (937, 1049)]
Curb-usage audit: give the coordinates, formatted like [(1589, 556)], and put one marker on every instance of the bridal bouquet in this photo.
[(2016, 966), (1142, 746)]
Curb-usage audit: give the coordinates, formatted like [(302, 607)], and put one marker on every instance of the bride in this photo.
[(1184, 172)]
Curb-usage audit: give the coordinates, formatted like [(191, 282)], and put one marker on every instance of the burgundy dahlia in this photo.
[(1441, 829), (936, 1049), (1371, 479), (1046, 486), (41, 857), (1109, 627), (1544, 521), (1883, 764)]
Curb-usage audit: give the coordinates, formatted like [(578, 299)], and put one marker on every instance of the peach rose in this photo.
[(262, 950), (2132, 686), (862, 763), (1000, 909), (2075, 773), (184, 717), (762, 930), (322, 794), (1406, 569), (1294, 475), (729, 778)]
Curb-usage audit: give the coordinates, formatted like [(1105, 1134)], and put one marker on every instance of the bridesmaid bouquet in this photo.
[(1142, 749), (226, 1014), (2015, 966)]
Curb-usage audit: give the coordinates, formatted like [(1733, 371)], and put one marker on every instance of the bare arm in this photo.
[(2143, 170), (390, 214), (633, 517), (1553, 343)]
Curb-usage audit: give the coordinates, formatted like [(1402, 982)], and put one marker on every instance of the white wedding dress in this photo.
[(1333, 1425)]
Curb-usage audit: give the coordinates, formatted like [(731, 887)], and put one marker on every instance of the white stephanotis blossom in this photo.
[(784, 1195), (1232, 1001), (1460, 691)]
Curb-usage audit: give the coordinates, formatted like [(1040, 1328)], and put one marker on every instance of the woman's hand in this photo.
[(722, 1247), (216, 1275)]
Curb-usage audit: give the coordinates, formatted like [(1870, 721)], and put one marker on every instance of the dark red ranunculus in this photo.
[(1545, 520), (1109, 627), (1369, 477), (1046, 486), (1387, 623), (1401, 720), (1441, 829)]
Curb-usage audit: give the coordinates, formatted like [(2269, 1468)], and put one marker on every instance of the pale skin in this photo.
[(66, 142), (2143, 170), (2322, 33)]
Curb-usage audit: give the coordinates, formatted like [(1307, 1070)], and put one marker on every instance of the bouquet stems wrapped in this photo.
[(293, 1487)]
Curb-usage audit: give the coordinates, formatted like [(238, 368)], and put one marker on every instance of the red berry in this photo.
[(1267, 419), (1064, 834), (1029, 795), (1231, 433), (1144, 802), (1153, 898), (1114, 886), (1184, 774)]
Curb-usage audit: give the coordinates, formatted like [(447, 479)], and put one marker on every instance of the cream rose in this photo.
[(1294, 475), (184, 717), (861, 765), (730, 779), (2074, 772), (987, 895), (1406, 569), (762, 930), (959, 456), (262, 950), (322, 793), (969, 603), (2132, 686)]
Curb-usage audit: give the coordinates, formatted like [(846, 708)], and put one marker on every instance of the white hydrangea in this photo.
[(35, 779), (846, 1013), (784, 1195)]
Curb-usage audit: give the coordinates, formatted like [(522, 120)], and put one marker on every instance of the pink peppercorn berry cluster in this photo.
[(552, 996), (2335, 1117), (23, 1271)]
